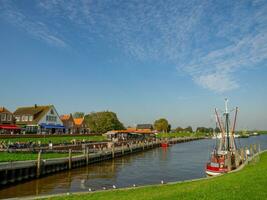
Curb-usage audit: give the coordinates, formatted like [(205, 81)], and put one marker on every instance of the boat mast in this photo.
[(227, 124)]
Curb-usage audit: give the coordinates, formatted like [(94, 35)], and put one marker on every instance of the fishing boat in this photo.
[(222, 158)]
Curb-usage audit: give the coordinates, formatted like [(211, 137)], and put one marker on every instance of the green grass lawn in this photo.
[(261, 132), (180, 134), (249, 183), (7, 157), (55, 140)]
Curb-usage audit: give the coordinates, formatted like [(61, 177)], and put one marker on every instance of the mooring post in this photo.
[(242, 154), (70, 158), (143, 146), (255, 148), (38, 169), (113, 150), (87, 155), (251, 150), (237, 158), (122, 149), (229, 161)]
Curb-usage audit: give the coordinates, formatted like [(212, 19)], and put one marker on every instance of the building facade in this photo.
[(80, 126), (7, 122), (39, 119), (68, 123)]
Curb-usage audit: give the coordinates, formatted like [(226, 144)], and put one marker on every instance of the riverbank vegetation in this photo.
[(248, 183), (182, 134), (8, 157), (55, 140)]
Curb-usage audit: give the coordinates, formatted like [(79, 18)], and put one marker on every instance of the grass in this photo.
[(261, 132), (180, 134), (7, 157), (55, 140), (249, 183)]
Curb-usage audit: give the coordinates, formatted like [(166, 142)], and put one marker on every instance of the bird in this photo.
[(104, 188), (90, 190), (134, 185), (162, 182), (114, 186)]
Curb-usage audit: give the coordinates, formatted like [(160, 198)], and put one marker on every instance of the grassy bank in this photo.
[(180, 134), (7, 157), (249, 183), (55, 140)]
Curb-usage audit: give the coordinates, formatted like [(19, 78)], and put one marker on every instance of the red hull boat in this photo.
[(223, 156)]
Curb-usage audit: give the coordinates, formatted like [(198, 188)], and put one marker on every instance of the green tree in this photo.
[(78, 115), (102, 122), (188, 129), (162, 125)]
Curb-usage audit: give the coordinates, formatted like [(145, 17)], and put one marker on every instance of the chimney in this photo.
[(35, 105)]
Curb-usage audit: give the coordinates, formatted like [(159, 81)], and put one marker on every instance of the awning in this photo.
[(9, 127), (50, 126)]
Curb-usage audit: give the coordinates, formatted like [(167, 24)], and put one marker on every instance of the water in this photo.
[(182, 161)]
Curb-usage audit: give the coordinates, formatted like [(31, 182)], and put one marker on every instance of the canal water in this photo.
[(179, 162)]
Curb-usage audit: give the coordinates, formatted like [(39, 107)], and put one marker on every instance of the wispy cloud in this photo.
[(208, 41), (32, 26)]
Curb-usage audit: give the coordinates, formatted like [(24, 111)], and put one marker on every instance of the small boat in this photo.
[(222, 158), (164, 144)]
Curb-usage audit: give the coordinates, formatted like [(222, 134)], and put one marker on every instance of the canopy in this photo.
[(50, 126), (9, 127)]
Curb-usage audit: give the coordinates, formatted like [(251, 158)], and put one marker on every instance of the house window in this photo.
[(9, 117), (30, 118), (24, 118), (51, 118), (3, 117), (52, 112), (17, 118)]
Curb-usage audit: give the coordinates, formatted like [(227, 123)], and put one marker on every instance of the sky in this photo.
[(144, 60)]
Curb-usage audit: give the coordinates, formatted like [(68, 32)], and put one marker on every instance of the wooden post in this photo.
[(255, 148), (87, 155), (237, 158), (143, 146), (251, 150), (113, 150), (259, 148), (229, 161), (242, 154), (122, 149), (70, 158), (38, 169)]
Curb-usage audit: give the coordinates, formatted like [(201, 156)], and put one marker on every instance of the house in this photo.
[(39, 119), (7, 122), (68, 122), (144, 127), (80, 126)]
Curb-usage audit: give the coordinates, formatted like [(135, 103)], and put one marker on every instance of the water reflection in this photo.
[(179, 162)]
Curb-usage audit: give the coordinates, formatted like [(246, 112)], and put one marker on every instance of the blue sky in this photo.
[(141, 59)]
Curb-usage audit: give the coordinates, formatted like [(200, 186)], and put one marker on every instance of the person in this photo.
[(50, 145)]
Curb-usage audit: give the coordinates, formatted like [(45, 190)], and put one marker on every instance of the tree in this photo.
[(179, 129), (162, 125), (188, 129), (78, 115), (102, 122)]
